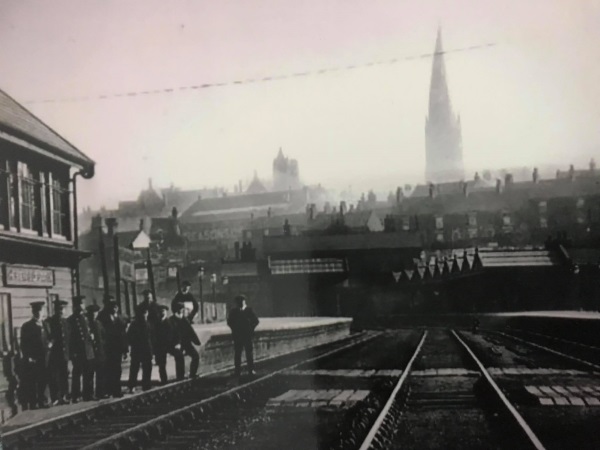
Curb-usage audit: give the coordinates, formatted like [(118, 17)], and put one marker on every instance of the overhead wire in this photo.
[(264, 79)]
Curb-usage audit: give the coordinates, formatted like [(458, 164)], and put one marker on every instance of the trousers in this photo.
[(146, 365), (239, 344)]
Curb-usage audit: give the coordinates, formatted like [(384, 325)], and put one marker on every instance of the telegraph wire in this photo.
[(265, 79)]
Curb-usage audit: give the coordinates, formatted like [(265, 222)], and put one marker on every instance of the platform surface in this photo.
[(594, 315)]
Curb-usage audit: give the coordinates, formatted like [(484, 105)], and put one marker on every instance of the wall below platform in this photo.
[(218, 351)]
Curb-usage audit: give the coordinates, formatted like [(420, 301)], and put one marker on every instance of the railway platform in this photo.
[(274, 336)]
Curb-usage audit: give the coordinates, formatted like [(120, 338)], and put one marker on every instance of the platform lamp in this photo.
[(213, 283), (200, 285)]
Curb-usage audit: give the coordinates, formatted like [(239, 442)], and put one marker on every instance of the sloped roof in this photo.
[(19, 122), (256, 187), (516, 258), (451, 188), (306, 266), (362, 241), (358, 219), (243, 204)]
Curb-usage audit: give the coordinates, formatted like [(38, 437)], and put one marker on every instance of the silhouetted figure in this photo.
[(140, 336), (242, 321), (58, 365), (99, 341), (82, 353), (115, 346), (184, 296), (35, 345), (184, 339), (166, 336)]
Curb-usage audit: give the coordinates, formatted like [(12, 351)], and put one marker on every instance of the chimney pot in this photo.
[(111, 225), (536, 175)]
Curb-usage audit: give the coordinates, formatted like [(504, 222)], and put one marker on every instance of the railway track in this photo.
[(132, 422), (470, 403), (395, 389)]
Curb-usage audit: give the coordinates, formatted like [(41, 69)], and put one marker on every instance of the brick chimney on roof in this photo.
[(508, 181), (571, 172), (111, 225), (536, 175), (592, 165), (498, 186), (343, 208)]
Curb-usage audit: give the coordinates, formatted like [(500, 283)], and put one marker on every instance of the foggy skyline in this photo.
[(531, 99)]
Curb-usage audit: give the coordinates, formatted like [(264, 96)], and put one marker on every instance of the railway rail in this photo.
[(384, 433), (412, 379), (131, 422)]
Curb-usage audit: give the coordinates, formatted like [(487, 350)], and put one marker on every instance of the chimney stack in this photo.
[(150, 183), (111, 225), (536, 175), (97, 221), (311, 211), (465, 189), (236, 247), (592, 165), (399, 195), (431, 190), (498, 186), (508, 180), (343, 207), (174, 213), (477, 177), (571, 172)]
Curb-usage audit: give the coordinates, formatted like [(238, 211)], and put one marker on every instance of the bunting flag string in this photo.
[(266, 79)]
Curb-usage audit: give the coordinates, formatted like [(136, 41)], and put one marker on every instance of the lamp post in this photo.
[(200, 284), (213, 283)]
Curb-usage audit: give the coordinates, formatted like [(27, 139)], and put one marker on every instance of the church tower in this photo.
[(443, 139)]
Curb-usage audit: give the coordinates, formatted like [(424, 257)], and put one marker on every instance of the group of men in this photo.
[(96, 342)]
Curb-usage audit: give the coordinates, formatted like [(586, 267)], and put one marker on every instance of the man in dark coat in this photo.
[(140, 336), (153, 307), (58, 365), (166, 334), (242, 322), (185, 296), (115, 347), (99, 341), (184, 339), (82, 353), (35, 345)]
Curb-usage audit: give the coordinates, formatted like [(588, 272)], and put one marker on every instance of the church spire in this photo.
[(442, 128)]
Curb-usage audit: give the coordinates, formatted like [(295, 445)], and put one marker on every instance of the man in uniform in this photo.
[(242, 322), (166, 334), (185, 296), (140, 336), (35, 345), (82, 353), (99, 364), (184, 339), (115, 346), (58, 366)]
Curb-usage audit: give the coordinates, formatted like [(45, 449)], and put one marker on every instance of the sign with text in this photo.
[(141, 274), (28, 276)]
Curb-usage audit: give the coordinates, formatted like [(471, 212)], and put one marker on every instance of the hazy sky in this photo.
[(533, 98)]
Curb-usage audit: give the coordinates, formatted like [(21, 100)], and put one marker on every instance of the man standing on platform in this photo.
[(185, 338), (185, 296), (99, 341), (82, 353), (166, 334), (140, 335), (35, 345), (115, 346), (153, 307), (242, 321), (58, 365)]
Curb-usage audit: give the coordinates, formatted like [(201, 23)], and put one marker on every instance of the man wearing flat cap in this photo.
[(140, 336), (115, 346), (184, 338), (152, 306), (35, 346), (58, 366), (185, 296), (82, 353), (165, 337), (99, 341), (242, 320)]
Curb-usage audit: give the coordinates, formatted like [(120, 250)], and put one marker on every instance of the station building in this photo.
[(39, 258)]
